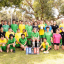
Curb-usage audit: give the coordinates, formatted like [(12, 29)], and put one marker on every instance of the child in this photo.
[(45, 46), (17, 37), (35, 37), (2, 43), (24, 32), (11, 43), (23, 41), (48, 36), (8, 33), (56, 40)]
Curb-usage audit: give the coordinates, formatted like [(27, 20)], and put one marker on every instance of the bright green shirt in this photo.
[(48, 36), (22, 41), (26, 27), (14, 27), (5, 28), (35, 34), (29, 30), (11, 41), (45, 24)]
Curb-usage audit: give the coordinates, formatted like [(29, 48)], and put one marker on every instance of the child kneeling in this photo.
[(23, 41), (45, 46), (2, 44), (11, 43)]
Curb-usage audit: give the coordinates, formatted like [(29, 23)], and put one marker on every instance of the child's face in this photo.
[(11, 37), (45, 40), (1, 29), (23, 30), (18, 31), (47, 29), (2, 38), (23, 36), (35, 30)]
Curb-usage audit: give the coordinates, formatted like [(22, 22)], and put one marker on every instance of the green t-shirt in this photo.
[(5, 28), (26, 27), (14, 27), (29, 30), (45, 24), (22, 41), (48, 36), (35, 34), (11, 41)]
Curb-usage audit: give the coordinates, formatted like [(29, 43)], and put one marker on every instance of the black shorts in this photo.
[(63, 43), (56, 44)]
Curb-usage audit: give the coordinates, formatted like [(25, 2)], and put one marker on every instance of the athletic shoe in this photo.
[(45, 52), (14, 51)]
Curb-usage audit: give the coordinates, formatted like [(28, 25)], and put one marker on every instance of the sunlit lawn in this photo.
[(54, 57)]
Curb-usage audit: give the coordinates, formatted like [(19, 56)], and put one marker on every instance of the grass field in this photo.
[(54, 57)]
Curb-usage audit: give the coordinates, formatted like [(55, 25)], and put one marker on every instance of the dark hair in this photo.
[(1, 27), (16, 21), (18, 29), (10, 36), (24, 29), (35, 22), (9, 28), (47, 27), (2, 35), (5, 21), (57, 29), (45, 38), (22, 34), (21, 20), (13, 20), (1, 20), (25, 21)]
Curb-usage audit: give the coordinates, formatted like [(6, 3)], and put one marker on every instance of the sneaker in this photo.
[(45, 52), (5, 51), (14, 51)]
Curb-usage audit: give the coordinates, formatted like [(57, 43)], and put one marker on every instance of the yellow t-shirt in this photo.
[(25, 34), (8, 33), (43, 44), (21, 27), (61, 25), (41, 31), (3, 41), (17, 36)]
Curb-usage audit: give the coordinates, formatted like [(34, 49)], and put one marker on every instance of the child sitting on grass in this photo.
[(2, 44), (45, 46), (23, 41), (11, 43)]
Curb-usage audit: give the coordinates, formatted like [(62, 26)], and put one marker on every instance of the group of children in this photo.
[(22, 35)]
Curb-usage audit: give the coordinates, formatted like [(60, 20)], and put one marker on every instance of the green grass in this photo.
[(54, 57)]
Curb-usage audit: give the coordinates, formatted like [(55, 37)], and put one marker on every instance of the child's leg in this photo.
[(1, 49), (25, 48), (4, 48), (11, 50), (46, 47), (8, 48), (37, 42), (62, 47), (42, 49), (22, 46), (55, 47), (33, 42), (14, 47)]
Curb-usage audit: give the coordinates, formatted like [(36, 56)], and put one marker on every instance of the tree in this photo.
[(8, 3)]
